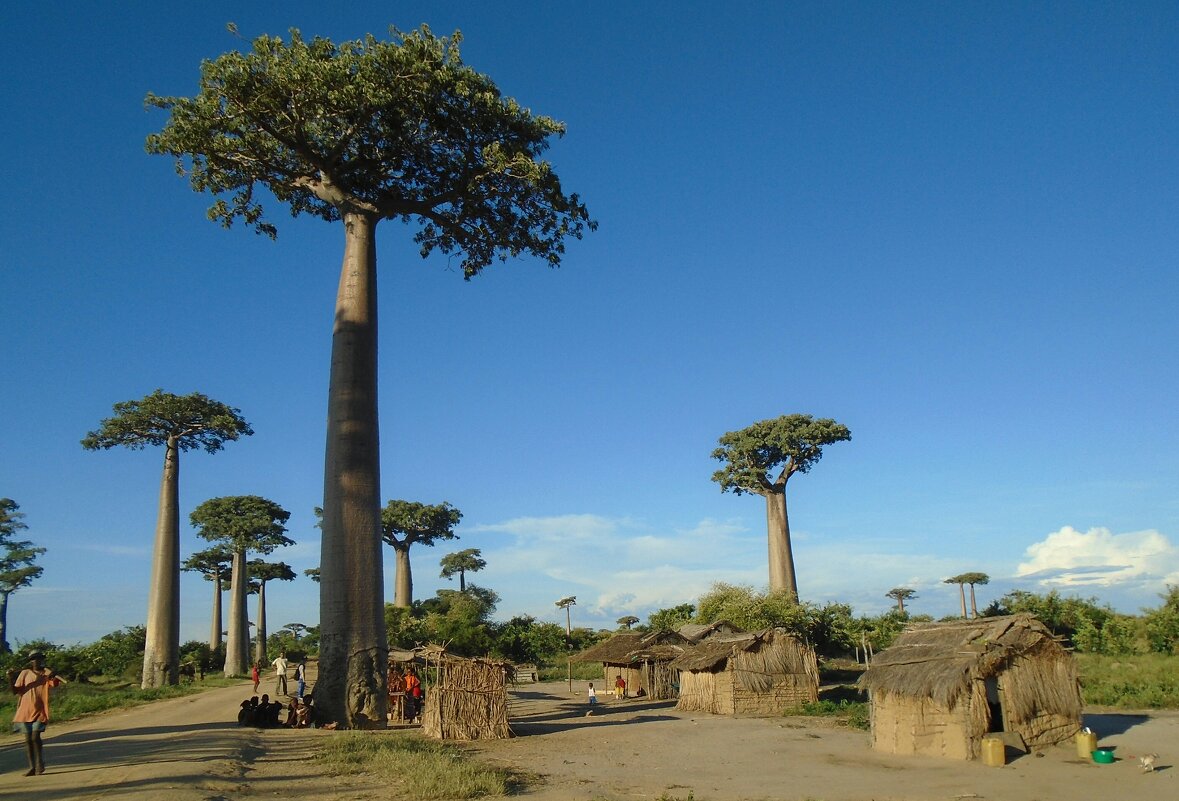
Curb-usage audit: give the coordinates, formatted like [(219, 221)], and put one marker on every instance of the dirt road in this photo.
[(189, 749)]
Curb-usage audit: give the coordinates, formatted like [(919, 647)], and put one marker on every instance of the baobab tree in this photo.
[(408, 523), (793, 443), (241, 524), (357, 133), (900, 595), (214, 564), (627, 621), (468, 560), (18, 562), (260, 573), (179, 423), (972, 579)]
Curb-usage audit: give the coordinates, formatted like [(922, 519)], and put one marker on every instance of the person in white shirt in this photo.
[(280, 674)]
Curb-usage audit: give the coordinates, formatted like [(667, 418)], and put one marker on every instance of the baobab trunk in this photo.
[(973, 605), (781, 556), (161, 653), (215, 629), (4, 647), (237, 644), (260, 647), (962, 597), (403, 580), (353, 651)]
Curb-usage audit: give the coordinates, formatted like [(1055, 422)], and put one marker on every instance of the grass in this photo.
[(416, 768), (1143, 681), (853, 714), (77, 699)]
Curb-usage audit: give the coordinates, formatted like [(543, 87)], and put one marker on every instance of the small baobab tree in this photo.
[(18, 562), (241, 524), (961, 582), (214, 564), (900, 595), (971, 579), (627, 621), (179, 423), (260, 573), (786, 445), (408, 523), (469, 560)]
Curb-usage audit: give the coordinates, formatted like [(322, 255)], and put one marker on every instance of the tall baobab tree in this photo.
[(359, 132), (241, 524), (972, 579), (468, 560), (961, 582), (408, 523), (260, 573), (567, 603), (18, 562), (214, 564), (900, 595), (179, 423), (789, 444)]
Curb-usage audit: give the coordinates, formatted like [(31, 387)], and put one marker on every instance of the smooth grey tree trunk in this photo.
[(161, 654), (973, 605), (216, 629), (402, 579), (260, 628), (962, 597), (4, 647), (237, 643), (353, 651), (780, 553)]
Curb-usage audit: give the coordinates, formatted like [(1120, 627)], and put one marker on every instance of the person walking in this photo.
[(256, 675), (280, 675), (593, 694), (32, 709)]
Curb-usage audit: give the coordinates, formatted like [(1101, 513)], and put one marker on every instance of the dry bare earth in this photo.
[(189, 749)]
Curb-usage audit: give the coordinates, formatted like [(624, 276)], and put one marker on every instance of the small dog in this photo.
[(1147, 762)]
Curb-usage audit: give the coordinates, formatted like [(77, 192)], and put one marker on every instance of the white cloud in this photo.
[(1099, 558)]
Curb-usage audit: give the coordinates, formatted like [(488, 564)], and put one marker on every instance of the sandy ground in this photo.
[(189, 749)]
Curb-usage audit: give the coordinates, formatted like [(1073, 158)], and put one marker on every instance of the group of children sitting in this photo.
[(265, 713)]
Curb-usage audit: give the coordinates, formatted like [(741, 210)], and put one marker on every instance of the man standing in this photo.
[(32, 710), (300, 677), (280, 675)]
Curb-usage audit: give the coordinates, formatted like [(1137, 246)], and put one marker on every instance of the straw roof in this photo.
[(940, 660), (702, 631), (713, 652), (623, 649)]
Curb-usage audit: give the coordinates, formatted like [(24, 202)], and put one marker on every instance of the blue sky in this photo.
[(951, 227)]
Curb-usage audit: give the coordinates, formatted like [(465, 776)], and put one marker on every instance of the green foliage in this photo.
[(671, 619), (468, 560), (404, 523), (523, 639), (211, 563), (396, 130), (189, 421), (1080, 621), (242, 523), (900, 595), (793, 442), (1162, 624), (829, 628), (854, 714), (18, 561), (1144, 681), (416, 768), (118, 654), (11, 518)]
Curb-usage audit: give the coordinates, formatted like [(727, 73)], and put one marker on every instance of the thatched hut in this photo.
[(752, 673), (467, 699), (942, 686), (642, 659), (699, 632)]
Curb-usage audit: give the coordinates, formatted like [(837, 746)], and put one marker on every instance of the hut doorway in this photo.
[(995, 704)]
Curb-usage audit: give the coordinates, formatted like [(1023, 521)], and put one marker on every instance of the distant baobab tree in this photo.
[(469, 560), (627, 621), (900, 595)]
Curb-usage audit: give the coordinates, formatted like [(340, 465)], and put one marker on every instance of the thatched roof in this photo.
[(939, 660), (711, 653), (696, 632), (623, 649)]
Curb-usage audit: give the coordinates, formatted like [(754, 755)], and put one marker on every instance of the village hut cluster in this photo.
[(942, 687), (467, 699)]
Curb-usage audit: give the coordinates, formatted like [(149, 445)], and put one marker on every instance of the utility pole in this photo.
[(565, 603)]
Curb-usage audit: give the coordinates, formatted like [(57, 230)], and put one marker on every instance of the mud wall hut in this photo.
[(752, 673), (942, 686), (467, 699), (642, 659)]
